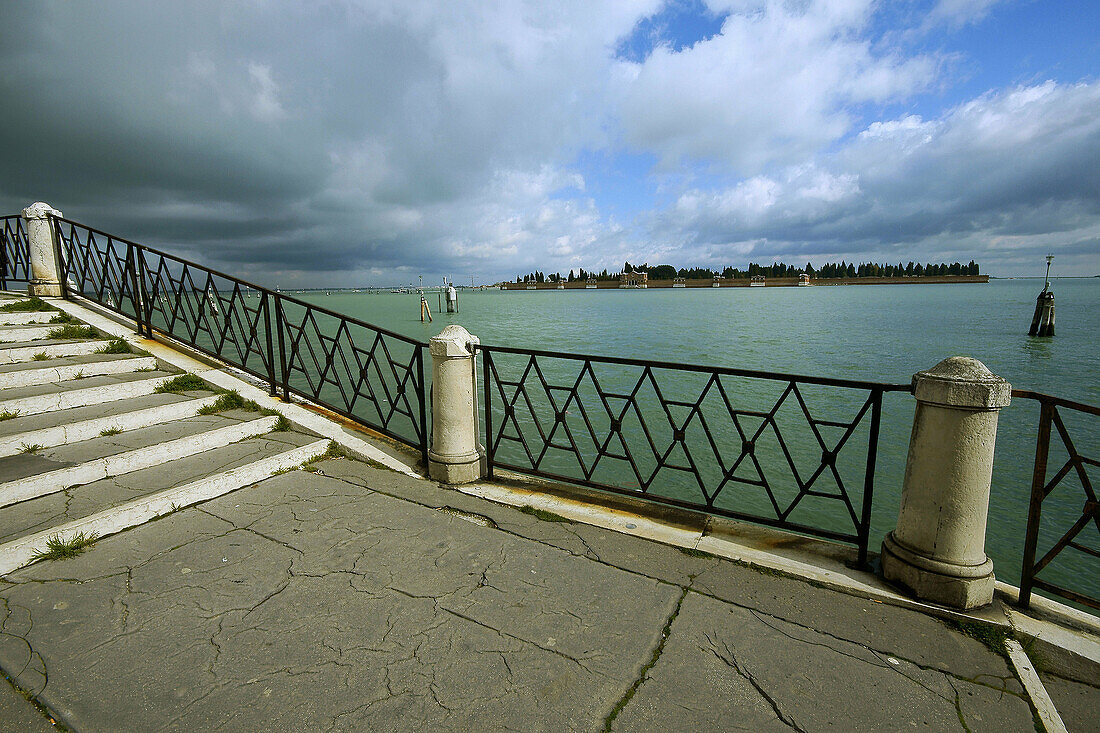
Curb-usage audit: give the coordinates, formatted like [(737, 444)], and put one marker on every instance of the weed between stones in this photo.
[(58, 548), (73, 331), (115, 346), (544, 515), (182, 383), (232, 400), (8, 415), (40, 356), (28, 305)]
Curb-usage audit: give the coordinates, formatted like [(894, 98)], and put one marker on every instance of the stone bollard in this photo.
[(937, 550), (453, 457), (45, 277)]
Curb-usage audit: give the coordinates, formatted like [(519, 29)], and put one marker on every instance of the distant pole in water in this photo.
[(425, 310), (452, 298), (1042, 323)]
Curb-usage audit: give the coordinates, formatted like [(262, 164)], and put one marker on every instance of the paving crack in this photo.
[(640, 680), (728, 657)]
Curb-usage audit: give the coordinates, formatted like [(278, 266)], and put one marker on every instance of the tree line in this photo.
[(776, 269)]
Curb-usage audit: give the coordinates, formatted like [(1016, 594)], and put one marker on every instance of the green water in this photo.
[(881, 333)]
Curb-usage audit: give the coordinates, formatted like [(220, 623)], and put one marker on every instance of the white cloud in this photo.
[(998, 176), (774, 87)]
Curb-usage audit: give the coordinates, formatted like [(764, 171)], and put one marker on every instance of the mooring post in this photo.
[(1042, 323), (45, 280), (453, 457), (937, 550)]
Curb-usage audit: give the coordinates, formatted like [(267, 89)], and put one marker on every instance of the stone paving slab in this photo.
[(356, 598), (726, 667), (1077, 703), (18, 715)]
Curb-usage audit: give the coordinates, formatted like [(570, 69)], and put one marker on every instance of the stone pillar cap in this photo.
[(959, 381), (40, 210), (454, 340)]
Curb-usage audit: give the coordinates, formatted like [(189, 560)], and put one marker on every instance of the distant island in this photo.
[(775, 274)]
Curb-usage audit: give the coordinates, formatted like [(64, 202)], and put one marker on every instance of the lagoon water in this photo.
[(881, 333)]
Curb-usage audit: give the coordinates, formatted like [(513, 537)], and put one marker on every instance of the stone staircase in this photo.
[(96, 437)]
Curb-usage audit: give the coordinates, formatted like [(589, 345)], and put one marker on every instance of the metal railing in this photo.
[(1063, 537), (14, 251), (368, 374), (731, 442)]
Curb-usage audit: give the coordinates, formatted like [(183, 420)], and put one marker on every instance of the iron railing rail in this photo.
[(15, 258), (1042, 488), (584, 430), (293, 345)]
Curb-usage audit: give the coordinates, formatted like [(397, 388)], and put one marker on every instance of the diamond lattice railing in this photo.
[(782, 450)]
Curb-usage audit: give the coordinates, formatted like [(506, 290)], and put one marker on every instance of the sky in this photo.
[(344, 143)]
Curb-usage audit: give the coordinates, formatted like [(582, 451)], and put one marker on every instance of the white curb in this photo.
[(1044, 706)]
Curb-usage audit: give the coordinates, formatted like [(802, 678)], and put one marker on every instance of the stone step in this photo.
[(61, 361), (20, 352), (50, 482), (29, 423), (52, 374), (66, 398), (67, 432), (20, 334), (35, 515), (18, 318), (19, 552)]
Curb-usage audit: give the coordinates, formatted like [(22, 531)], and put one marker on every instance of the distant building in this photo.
[(679, 282), (717, 281), (803, 279), (756, 281), (590, 283), (633, 280)]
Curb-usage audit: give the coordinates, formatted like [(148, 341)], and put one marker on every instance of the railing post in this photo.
[(453, 457), (284, 367), (937, 550), (45, 269), (266, 305), (1035, 509)]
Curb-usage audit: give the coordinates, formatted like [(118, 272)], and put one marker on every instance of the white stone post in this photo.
[(453, 457), (45, 280), (937, 550)]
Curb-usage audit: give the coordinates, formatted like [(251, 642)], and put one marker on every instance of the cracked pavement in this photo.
[(356, 598)]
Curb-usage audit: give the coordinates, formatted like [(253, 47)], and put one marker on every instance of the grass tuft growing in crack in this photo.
[(63, 317), (29, 448), (544, 515), (8, 415), (73, 331), (232, 400), (182, 383), (992, 636), (40, 356), (332, 451), (115, 346), (58, 548), (693, 552), (110, 431), (27, 306)]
